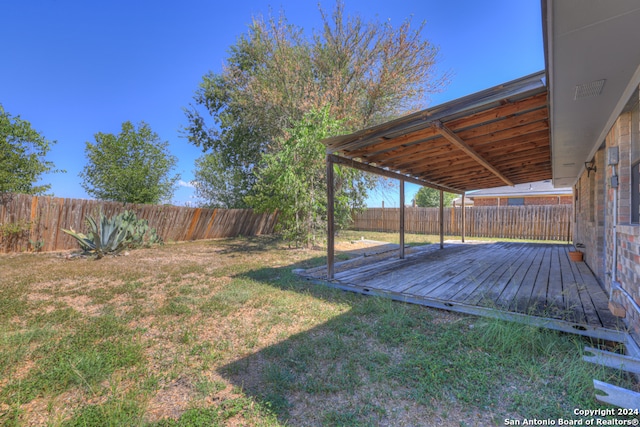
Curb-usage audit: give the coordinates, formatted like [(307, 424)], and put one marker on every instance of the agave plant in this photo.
[(106, 236), (112, 235)]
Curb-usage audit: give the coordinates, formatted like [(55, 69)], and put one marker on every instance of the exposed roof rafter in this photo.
[(387, 173), (488, 139), (458, 142)]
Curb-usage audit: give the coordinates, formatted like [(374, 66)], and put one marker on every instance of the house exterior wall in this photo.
[(594, 226), (628, 234), (590, 216), (529, 200)]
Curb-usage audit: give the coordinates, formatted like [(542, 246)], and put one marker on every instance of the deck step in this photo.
[(617, 396), (612, 360)]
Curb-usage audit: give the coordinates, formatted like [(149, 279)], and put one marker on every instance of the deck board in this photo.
[(555, 292), (538, 300), (516, 281), (522, 298), (495, 283), (588, 307), (574, 309), (529, 279), (466, 284)]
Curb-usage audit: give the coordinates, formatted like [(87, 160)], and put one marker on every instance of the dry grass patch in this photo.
[(222, 333)]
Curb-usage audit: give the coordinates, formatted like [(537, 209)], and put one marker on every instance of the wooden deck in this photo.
[(525, 282)]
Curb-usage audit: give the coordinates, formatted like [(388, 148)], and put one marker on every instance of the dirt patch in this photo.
[(171, 401), (364, 247)]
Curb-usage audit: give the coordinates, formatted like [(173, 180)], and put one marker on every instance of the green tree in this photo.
[(430, 198), (219, 184), (22, 156), (365, 72), (134, 166), (293, 181)]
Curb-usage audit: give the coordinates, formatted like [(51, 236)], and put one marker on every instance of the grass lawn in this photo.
[(221, 332)]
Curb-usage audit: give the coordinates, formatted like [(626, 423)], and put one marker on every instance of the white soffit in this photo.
[(593, 61)]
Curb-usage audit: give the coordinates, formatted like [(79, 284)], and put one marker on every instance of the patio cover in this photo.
[(491, 138)]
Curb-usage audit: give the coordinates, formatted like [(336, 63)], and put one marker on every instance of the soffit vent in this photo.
[(588, 90)]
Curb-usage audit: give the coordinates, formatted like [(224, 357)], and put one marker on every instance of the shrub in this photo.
[(109, 236)]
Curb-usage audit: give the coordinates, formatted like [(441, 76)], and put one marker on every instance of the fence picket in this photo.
[(545, 222), (45, 216)]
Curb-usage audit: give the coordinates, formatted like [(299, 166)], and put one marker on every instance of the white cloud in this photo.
[(182, 183)]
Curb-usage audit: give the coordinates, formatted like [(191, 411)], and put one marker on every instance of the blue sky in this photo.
[(74, 68)]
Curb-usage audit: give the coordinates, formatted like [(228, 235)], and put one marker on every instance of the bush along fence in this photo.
[(514, 222), (32, 223)]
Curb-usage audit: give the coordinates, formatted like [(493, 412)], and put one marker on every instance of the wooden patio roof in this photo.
[(496, 137)]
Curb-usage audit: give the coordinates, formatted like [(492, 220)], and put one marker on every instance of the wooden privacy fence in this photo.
[(30, 222), (551, 222)]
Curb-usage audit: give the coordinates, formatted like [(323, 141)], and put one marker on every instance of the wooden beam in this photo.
[(454, 139), (389, 174), (441, 218), (464, 221), (330, 220), (402, 219)]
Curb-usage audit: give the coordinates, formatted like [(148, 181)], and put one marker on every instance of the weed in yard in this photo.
[(342, 418), (205, 387), (116, 412), (84, 359), (13, 301), (233, 296), (11, 416), (15, 346), (188, 336), (215, 305), (197, 417), (278, 378), (151, 383), (176, 306), (61, 315), (247, 408), (236, 294), (132, 289), (177, 274)]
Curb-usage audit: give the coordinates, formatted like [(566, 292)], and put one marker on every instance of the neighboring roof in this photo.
[(458, 201), (540, 188), (495, 137), (592, 51)]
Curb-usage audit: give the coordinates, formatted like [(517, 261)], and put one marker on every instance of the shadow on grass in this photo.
[(350, 370), (381, 362), (344, 371)]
